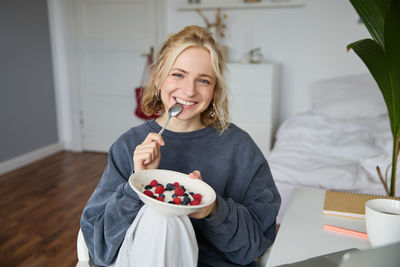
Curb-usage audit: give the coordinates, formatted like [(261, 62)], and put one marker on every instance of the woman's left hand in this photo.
[(206, 211)]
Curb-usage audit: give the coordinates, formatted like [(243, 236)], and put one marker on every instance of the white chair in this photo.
[(82, 250), (262, 261), (83, 253)]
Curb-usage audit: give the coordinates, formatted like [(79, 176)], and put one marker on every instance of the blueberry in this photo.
[(185, 195), (186, 200), (148, 187), (162, 195), (191, 193), (183, 188), (174, 196), (160, 184), (171, 202), (169, 187)]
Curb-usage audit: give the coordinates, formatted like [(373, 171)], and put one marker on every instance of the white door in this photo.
[(112, 36)]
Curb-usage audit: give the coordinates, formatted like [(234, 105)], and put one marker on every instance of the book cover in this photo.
[(349, 205)]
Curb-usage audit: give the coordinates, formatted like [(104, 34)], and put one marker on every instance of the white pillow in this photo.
[(355, 96)]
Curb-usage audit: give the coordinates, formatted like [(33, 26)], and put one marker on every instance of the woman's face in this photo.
[(191, 83)]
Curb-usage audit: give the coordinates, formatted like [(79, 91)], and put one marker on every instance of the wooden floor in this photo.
[(40, 208)]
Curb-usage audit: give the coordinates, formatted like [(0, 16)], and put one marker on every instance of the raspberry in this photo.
[(176, 184), (197, 197), (177, 200), (159, 189), (154, 183), (194, 203), (179, 191), (148, 193), (160, 198)]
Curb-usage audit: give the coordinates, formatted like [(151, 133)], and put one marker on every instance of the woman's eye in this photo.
[(177, 75), (205, 81)]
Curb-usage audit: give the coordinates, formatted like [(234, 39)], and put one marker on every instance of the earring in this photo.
[(212, 111), (157, 94)]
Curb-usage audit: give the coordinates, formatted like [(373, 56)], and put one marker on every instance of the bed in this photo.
[(338, 143)]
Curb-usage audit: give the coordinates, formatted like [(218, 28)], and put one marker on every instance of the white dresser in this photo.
[(253, 100)]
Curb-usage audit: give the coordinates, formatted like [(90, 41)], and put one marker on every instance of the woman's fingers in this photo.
[(153, 148), (151, 137), (204, 212), (147, 154), (195, 175)]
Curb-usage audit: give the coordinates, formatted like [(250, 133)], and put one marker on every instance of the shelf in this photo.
[(239, 4)]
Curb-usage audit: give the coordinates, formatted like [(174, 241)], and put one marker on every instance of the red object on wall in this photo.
[(138, 111), (139, 92)]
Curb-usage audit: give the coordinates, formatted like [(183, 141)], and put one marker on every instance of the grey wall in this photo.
[(27, 102)]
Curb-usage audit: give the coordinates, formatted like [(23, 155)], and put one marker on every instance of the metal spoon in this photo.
[(172, 112)]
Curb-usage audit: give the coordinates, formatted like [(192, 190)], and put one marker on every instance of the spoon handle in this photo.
[(165, 125)]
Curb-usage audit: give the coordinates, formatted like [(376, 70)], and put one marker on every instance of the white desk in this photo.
[(301, 234)]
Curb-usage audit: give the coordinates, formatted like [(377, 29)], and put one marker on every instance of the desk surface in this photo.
[(301, 234)]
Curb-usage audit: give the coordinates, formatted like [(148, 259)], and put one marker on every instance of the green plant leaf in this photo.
[(372, 14), (371, 53), (392, 53), (382, 57)]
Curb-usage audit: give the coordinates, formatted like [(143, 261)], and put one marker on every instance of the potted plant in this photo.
[(381, 55)]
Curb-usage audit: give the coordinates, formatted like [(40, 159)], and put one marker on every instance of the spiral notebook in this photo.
[(349, 205)]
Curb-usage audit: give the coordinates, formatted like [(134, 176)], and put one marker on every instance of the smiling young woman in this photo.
[(240, 224)]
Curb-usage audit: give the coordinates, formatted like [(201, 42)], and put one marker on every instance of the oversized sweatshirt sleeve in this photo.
[(243, 230), (112, 207)]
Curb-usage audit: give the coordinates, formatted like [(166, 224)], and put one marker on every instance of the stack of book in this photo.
[(349, 205)]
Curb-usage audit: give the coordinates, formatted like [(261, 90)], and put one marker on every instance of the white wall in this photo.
[(309, 42)]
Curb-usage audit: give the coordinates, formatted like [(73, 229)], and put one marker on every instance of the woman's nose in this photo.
[(190, 87)]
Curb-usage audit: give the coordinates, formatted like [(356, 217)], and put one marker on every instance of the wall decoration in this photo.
[(217, 28)]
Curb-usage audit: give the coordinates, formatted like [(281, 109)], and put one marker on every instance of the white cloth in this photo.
[(312, 150), (156, 240)]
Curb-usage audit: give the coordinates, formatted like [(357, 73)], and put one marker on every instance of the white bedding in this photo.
[(338, 143), (316, 151)]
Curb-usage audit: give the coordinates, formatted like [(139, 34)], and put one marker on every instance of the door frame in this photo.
[(65, 66)]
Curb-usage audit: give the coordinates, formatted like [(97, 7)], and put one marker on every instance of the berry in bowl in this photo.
[(171, 193)]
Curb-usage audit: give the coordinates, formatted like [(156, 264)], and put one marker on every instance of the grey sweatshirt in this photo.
[(243, 226)]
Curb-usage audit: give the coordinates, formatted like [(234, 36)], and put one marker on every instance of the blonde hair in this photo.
[(216, 114)]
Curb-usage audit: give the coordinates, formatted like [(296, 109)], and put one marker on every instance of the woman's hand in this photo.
[(147, 155), (206, 211)]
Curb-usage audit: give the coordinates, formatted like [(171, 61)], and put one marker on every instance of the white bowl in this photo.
[(140, 179), (382, 219)]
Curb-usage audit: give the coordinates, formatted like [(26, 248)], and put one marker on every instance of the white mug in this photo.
[(382, 219)]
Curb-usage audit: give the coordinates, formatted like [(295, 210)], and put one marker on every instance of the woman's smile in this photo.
[(185, 103)]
